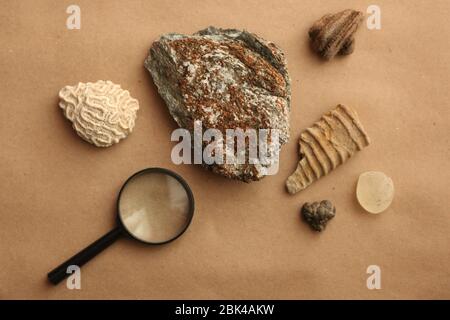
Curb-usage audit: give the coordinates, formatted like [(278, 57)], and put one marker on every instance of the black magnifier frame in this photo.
[(59, 273), (180, 180)]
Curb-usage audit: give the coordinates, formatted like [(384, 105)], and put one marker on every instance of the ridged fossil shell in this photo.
[(333, 33), (328, 143), (102, 113)]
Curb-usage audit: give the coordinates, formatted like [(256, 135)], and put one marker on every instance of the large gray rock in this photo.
[(226, 79)]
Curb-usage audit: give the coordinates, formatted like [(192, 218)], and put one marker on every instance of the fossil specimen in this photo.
[(333, 33), (101, 113), (332, 140), (375, 191), (227, 79), (317, 214)]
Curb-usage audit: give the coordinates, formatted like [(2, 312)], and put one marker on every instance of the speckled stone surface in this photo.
[(226, 79)]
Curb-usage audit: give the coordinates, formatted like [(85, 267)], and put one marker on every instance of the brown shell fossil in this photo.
[(333, 33)]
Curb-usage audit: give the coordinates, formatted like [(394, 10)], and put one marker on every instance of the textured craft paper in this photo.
[(246, 240)]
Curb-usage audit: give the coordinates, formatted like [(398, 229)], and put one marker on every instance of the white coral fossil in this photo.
[(102, 113)]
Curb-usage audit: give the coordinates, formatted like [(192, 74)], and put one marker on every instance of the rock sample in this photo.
[(227, 79), (325, 145), (317, 214), (374, 191), (102, 113), (333, 34)]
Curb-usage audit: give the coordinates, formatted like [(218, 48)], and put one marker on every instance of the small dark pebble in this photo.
[(317, 214)]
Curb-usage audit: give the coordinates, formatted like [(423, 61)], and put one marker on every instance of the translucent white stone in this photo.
[(375, 191)]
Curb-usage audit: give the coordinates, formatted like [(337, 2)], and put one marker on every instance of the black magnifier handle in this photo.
[(59, 273)]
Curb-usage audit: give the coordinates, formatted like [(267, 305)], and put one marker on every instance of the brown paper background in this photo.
[(246, 240)]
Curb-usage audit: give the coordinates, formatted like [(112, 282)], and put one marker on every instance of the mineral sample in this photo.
[(374, 191), (101, 113), (328, 143), (226, 79), (317, 214), (333, 33)]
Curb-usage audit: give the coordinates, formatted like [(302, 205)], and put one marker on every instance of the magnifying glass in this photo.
[(154, 206)]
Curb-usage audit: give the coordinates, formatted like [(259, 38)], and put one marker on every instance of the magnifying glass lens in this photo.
[(154, 207)]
